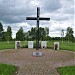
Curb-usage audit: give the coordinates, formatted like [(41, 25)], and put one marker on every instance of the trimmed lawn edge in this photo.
[(8, 69), (66, 70), (16, 71)]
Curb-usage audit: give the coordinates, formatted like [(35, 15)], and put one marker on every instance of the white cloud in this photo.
[(14, 13), (34, 3)]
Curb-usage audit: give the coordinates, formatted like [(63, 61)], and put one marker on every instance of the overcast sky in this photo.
[(61, 13)]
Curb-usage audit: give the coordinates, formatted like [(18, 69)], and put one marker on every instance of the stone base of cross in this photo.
[(37, 54)]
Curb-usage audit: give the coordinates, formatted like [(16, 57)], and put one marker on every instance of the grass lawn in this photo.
[(7, 69), (67, 46), (24, 44), (6, 45), (63, 45), (50, 44), (67, 70)]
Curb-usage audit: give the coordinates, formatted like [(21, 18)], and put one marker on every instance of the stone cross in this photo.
[(37, 18)]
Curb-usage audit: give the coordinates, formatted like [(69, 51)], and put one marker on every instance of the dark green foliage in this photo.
[(55, 38), (47, 31), (20, 34), (5, 36), (1, 27), (1, 31), (31, 34), (8, 34), (69, 35), (43, 34)]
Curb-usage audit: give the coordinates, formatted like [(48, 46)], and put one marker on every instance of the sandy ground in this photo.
[(29, 65)]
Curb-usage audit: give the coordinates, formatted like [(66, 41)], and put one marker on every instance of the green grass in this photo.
[(67, 70), (7, 69), (50, 44), (6, 45), (24, 44), (63, 45), (67, 46)]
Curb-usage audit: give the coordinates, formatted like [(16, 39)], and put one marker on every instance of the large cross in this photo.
[(37, 18)]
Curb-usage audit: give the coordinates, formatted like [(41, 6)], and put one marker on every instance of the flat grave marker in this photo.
[(37, 54)]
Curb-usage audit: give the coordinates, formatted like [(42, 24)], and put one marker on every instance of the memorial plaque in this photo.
[(44, 44), (30, 44), (37, 54), (56, 45), (17, 44)]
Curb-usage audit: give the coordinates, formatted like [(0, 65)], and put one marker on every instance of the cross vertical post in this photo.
[(37, 28), (37, 31)]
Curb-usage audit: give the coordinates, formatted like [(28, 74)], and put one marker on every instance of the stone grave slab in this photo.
[(17, 44), (56, 45), (37, 54), (43, 44), (30, 44)]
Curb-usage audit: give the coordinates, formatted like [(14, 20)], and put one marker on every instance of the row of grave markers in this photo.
[(43, 44)]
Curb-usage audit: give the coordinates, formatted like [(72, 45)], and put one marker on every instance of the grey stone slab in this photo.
[(30, 44), (37, 54)]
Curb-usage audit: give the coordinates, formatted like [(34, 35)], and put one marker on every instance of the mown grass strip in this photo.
[(7, 69), (50, 44), (67, 70), (6, 45)]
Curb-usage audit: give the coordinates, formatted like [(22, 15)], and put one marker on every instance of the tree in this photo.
[(42, 33), (62, 34), (1, 31), (4, 38), (20, 34), (31, 34), (1, 27), (69, 35), (26, 34), (8, 34), (47, 31)]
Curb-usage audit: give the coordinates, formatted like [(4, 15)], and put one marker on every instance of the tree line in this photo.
[(31, 34)]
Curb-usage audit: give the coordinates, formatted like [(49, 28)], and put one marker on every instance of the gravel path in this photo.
[(29, 65)]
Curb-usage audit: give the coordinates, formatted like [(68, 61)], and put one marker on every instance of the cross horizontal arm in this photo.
[(31, 18), (42, 18), (34, 18)]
